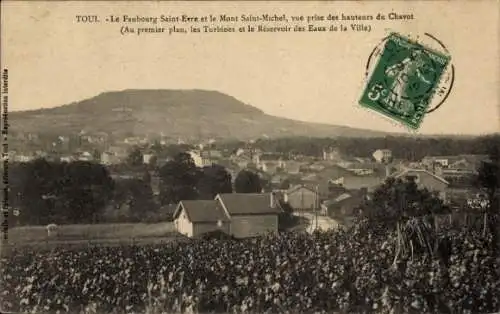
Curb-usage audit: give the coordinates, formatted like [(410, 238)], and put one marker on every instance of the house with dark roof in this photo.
[(251, 214), (271, 166), (242, 161), (346, 205), (194, 218), (447, 161), (357, 182), (325, 179), (425, 179), (293, 166), (366, 168), (334, 172), (238, 214)]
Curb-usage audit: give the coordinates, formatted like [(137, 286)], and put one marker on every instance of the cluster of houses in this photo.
[(81, 146), (335, 186)]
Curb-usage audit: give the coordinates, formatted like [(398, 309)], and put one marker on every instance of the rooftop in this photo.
[(202, 211), (248, 203)]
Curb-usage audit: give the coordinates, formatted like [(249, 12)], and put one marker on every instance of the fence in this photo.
[(459, 219)]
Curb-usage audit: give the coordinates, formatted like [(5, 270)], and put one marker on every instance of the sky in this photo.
[(315, 76)]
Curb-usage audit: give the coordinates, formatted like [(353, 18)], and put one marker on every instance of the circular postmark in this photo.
[(415, 72)]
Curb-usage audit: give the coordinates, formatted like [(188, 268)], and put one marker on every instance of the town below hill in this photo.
[(415, 228), (146, 183)]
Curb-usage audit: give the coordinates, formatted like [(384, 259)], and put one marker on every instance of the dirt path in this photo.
[(323, 222)]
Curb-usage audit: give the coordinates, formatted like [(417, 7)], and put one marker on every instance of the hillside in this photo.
[(176, 113)]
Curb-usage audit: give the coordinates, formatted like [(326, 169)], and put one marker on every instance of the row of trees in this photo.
[(79, 192), (63, 192), (182, 180), (135, 157), (409, 148)]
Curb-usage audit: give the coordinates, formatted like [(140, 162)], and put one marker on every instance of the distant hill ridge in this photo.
[(176, 113)]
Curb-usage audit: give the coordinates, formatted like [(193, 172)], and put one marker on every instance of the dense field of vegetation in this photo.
[(350, 270)]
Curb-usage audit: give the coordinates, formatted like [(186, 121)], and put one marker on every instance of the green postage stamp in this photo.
[(405, 79)]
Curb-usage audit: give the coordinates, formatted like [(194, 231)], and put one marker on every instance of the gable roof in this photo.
[(342, 197), (202, 211), (384, 150), (300, 186), (406, 171), (345, 199), (366, 165), (271, 157), (271, 163), (430, 157), (248, 203), (334, 172), (356, 182), (454, 158)]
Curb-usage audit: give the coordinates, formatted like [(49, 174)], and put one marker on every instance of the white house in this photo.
[(194, 218), (382, 155), (108, 158), (238, 214), (67, 158), (146, 158), (202, 158), (23, 158), (331, 154)]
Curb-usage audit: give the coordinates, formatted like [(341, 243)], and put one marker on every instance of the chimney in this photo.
[(272, 201)]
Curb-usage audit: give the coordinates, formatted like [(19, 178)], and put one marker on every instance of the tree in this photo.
[(247, 182), (96, 154), (179, 178), (135, 158), (85, 190), (401, 208), (153, 162), (285, 184), (173, 150), (57, 192), (407, 148), (286, 219), (214, 179), (157, 147), (140, 197), (35, 181), (398, 199)]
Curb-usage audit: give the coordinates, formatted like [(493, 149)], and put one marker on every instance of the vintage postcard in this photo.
[(250, 157)]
